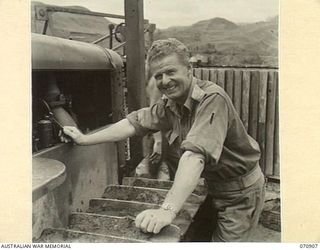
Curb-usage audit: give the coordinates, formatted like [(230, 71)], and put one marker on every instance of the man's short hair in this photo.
[(166, 47)]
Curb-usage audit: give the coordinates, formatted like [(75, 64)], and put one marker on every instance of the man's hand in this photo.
[(156, 155), (157, 147), (153, 220), (63, 137), (75, 134), (155, 158)]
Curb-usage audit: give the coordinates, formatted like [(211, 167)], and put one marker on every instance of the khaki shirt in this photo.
[(208, 124)]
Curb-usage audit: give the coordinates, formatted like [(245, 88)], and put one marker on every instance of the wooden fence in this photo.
[(254, 93)]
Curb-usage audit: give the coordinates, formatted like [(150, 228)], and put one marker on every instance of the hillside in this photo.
[(225, 43), (217, 41)]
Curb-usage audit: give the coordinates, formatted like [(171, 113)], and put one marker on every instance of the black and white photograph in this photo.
[(155, 121)]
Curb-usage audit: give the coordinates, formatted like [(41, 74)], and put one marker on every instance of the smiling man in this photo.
[(200, 122)]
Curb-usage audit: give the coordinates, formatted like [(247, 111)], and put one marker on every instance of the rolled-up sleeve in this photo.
[(149, 119), (209, 130)]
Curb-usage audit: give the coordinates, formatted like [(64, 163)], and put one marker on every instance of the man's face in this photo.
[(172, 77)]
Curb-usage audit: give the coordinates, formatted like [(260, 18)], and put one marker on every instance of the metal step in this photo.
[(121, 227), (160, 184), (142, 194), (111, 218), (113, 207), (60, 235)]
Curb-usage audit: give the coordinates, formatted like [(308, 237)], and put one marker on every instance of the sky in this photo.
[(166, 13)]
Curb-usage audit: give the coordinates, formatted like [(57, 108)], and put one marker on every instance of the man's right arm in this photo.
[(116, 132)]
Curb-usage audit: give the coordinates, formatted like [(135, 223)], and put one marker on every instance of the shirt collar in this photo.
[(195, 94)]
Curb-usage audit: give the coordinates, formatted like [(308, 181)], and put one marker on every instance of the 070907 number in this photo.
[(308, 245)]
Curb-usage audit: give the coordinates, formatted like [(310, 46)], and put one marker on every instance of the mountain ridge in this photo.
[(226, 43), (216, 40)]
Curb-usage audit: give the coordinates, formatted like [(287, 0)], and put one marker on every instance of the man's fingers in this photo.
[(155, 158), (151, 225), (158, 227), (63, 137), (153, 220), (139, 219), (66, 140), (73, 132), (67, 131), (145, 223)]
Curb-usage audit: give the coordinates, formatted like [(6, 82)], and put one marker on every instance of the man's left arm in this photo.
[(187, 177)]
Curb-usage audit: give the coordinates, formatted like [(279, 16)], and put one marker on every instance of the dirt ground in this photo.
[(263, 234)]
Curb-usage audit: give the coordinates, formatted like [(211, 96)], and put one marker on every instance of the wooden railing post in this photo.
[(135, 51)]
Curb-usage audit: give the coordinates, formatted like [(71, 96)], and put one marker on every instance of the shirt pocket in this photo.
[(171, 136)]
